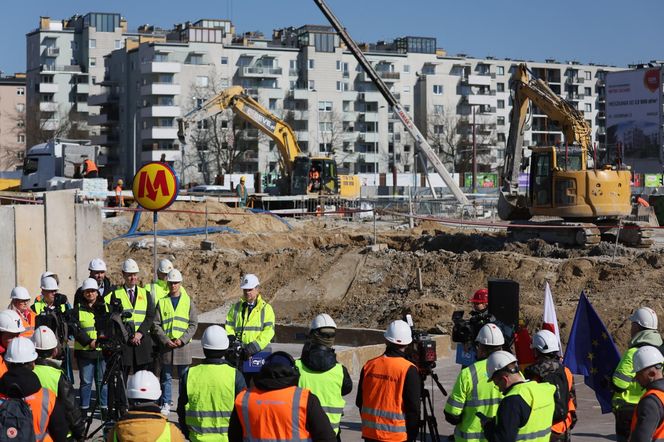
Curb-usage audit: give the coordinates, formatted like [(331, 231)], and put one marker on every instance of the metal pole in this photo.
[(411, 222), (206, 220), (375, 240), (154, 255), (474, 155), (615, 248), (133, 157)]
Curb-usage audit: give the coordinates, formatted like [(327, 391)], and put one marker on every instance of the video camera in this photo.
[(56, 319), (423, 351), (463, 330), (235, 354), (114, 329)]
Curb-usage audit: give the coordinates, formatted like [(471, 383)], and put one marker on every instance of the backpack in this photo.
[(16, 421), (558, 379)]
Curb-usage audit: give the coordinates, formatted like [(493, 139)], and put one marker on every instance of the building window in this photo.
[(500, 87), (438, 109), (587, 91), (406, 88), (346, 106), (325, 126), (501, 104), (500, 70), (20, 123), (311, 64), (501, 137), (20, 107), (192, 59), (202, 81), (92, 43), (338, 65), (500, 121), (292, 64), (588, 107), (272, 105), (93, 62), (588, 75), (20, 138), (20, 91), (325, 106), (325, 147), (224, 60), (406, 69), (311, 84), (438, 129), (118, 44), (438, 89)]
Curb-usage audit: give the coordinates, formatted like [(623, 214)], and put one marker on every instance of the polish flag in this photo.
[(550, 320)]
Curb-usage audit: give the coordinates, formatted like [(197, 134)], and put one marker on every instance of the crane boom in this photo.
[(420, 141)]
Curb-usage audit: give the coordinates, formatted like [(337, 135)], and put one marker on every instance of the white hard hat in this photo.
[(143, 385), (215, 338), (645, 317), (323, 320), (645, 357), (49, 283), (89, 284), (20, 293), (497, 361), (545, 341), (165, 266), (45, 274), (44, 338), (20, 351), (174, 276), (491, 335), (97, 265), (10, 322), (130, 266), (249, 281), (398, 332)]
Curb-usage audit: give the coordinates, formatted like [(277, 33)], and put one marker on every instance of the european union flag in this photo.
[(591, 352)]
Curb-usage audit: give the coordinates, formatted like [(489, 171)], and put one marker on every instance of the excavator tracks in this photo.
[(562, 232), (637, 234)]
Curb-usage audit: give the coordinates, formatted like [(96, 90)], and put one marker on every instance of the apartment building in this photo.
[(12, 121)]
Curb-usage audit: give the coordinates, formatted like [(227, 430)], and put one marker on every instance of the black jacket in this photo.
[(140, 354), (411, 394), (649, 414), (321, 359), (81, 336), (67, 395), (108, 287), (29, 384), (276, 378)]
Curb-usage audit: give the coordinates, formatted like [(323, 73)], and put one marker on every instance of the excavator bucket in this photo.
[(513, 207)]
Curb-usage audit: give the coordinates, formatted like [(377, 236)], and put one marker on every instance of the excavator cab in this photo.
[(314, 175)]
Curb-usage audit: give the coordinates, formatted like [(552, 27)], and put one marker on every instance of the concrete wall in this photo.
[(30, 247), (60, 234), (89, 238)]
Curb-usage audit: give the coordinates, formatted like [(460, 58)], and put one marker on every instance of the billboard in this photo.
[(482, 179), (633, 117)]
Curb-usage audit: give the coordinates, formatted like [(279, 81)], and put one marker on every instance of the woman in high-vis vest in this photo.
[(20, 303)]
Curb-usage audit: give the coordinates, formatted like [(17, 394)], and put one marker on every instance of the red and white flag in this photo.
[(550, 320)]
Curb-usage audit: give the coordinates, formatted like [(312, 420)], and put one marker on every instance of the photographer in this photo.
[(50, 299)]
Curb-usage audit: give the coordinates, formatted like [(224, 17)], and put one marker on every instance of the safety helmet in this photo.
[(120, 182), (49, 283), (45, 274), (242, 179), (249, 281), (490, 335), (323, 320), (174, 276), (398, 332), (130, 266), (545, 342), (165, 266), (97, 265), (20, 350), (645, 357), (481, 296), (44, 338), (90, 284), (498, 361), (20, 293), (10, 322), (645, 317), (143, 385), (215, 338)]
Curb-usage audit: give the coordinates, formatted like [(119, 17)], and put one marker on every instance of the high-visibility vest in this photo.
[(658, 435), (562, 426), (473, 393), (326, 386), (273, 415), (623, 378), (539, 397), (174, 322), (210, 401), (258, 326), (41, 404), (382, 399), (28, 322), (86, 320), (139, 311), (90, 166), (48, 377), (40, 305), (3, 366), (160, 289)]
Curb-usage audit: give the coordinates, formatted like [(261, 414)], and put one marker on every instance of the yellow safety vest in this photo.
[(257, 327), (39, 305), (623, 378), (539, 397), (87, 322), (139, 310), (210, 401), (48, 377), (327, 388), (175, 322)]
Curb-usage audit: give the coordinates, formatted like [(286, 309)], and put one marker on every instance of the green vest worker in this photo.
[(526, 410), (321, 373), (161, 285), (208, 391), (473, 391), (627, 390)]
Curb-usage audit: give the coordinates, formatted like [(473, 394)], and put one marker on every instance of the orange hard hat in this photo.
[(480, 297)]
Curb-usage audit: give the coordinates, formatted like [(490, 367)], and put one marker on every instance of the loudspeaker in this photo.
[(504, 301)]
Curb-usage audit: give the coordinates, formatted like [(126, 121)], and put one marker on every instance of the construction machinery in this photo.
[(296, 169), (570, 198)]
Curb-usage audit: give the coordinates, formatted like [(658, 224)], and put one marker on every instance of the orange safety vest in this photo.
[(3, 366), (382, 399), (273, 415), (642, 202), (41, 404), (90, 166), (28, 321), (659, 431), (314, 175), (562, 426)]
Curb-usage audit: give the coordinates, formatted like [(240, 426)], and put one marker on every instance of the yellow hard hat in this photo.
[(242, 179)]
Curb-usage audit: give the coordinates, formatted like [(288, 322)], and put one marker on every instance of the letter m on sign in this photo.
[(146, 186)]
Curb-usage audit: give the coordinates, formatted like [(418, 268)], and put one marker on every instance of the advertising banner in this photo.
[(482, 179)]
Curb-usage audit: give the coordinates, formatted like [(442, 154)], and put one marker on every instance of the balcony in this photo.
[(160, 133), (479, 80), (82, 107), (481, 99), (101, 120), (155, 155), (160, 67), (300, 115), (349, 116), (302, 136), (48, 107), (82, 88), (575, 80), (575, 97), (160, 89), (51, 52), (601, 115), (49, 124), (299, 94), (368, 137), (371, 117), (48, 88), (104, 139), (600, 83), (385, 75), (161, 111), (260, 72), (369, 96), (50, 68), (105, 98)]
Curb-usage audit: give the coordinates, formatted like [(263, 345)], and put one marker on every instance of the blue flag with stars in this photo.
[(591, 352)]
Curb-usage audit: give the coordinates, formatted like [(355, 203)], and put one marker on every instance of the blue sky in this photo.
[(604, 32)]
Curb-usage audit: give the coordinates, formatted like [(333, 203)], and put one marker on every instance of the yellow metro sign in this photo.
[(155, 186)]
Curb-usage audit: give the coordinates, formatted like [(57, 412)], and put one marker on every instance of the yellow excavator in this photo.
[(299, 174), (570, 200)]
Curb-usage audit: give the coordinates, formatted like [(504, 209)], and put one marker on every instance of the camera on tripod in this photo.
[(423, 351), (235, 354), (463, 330), (114, 329)]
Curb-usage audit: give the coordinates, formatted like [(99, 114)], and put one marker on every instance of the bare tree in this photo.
[(11, 153), (331, 131)]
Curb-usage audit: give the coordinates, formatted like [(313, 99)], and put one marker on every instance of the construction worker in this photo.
[(314, 180), (473, 391), (321, 373), (119, 197), (627, 391), (20, 382), (175, 324), (526, 410), (388, 393), (648, 420), (97, 269), (275, 408), (49, 371), (208, 391), (137, 352), (20, 303), (161, 285), (548, 367), (241, 192), (89, 359), (90, 169), (144, 422), (10, 327)]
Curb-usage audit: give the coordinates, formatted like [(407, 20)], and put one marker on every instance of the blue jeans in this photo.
[(166, 378), (89, 370)]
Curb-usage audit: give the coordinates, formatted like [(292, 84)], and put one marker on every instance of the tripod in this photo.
[(428, 419), (117, 397)]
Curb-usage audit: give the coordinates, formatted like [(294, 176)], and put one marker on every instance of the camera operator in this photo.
[(91, 364), (50, 299), (389, 390)]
